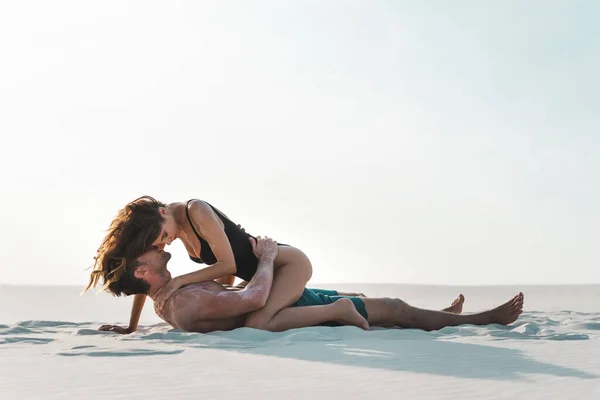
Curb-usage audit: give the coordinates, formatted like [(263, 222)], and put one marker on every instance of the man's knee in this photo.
[(389, 308), (398, 304), (390, 305)]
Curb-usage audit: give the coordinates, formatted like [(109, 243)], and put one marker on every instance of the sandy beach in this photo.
[(423, 142), (51, 350)]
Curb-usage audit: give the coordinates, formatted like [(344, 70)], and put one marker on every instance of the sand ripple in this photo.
[(558, 326)]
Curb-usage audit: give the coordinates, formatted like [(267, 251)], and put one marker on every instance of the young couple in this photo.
[(131, 260)]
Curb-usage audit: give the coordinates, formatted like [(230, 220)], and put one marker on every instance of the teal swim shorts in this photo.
[(321, 297)]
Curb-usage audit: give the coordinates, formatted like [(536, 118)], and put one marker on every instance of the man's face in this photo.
[(154, 265)]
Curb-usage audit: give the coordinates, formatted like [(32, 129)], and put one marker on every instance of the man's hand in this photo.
[(115, 328), (264, 248)]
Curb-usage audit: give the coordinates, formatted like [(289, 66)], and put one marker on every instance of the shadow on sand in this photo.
[(446, 358), (389, 349), (415, 351)]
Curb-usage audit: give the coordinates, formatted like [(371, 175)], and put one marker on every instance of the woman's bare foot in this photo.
[(508, 312), (349, 316), (457, 305)]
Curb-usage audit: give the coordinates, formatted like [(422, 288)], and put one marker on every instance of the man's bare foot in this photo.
[(508, 312), (457, 305), (349, 316)]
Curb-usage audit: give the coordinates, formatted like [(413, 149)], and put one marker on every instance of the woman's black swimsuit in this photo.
[(245, 260)]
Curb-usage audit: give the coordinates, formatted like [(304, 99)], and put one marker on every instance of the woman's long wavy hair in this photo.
[(131, 233)]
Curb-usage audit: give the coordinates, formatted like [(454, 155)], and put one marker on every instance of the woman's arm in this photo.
[(210, 227)]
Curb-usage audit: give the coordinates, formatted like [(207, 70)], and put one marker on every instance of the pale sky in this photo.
[(404, 142)]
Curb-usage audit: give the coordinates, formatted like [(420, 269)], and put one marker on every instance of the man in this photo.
[(209, 306)]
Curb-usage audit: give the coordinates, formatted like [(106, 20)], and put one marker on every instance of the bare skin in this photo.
[(383, 312), (344, 313), (457, 305), (208, 306), (293, 267), (188, 309)]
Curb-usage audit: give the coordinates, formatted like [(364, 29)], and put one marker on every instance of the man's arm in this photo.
[(207, 305)]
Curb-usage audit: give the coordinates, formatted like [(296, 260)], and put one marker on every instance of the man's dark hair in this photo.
[(130, 235), (128, 284)]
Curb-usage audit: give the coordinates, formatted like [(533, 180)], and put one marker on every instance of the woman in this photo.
[(211, 238)]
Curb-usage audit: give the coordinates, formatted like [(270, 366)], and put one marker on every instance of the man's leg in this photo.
[(319, 306), (455, 308), (386, 311), (351, 310)]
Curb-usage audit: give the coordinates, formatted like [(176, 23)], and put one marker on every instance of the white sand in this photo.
[(50, 348)]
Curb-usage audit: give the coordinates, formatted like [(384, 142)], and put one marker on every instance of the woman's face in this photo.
[(168, 231)]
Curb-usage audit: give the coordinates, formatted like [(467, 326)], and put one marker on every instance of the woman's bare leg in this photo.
[(293, 270), (394, 311), (455, 308), (342, 312)]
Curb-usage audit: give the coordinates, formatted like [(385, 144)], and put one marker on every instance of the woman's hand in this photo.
[(115, 328), (165, 293)]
